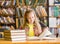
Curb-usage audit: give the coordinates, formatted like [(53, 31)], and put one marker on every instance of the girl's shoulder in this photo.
[(26, 26)]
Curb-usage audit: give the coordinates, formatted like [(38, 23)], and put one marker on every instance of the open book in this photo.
[(43, 35)]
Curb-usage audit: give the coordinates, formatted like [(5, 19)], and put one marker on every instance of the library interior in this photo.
[(30, 21)]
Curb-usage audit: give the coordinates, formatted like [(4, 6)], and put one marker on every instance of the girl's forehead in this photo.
[(31, 14)]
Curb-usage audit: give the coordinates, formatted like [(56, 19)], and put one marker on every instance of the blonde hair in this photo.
[(36, 21)]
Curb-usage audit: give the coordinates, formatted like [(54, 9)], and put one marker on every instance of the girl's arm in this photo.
[(37, 31), (40, 30), (26, 29)]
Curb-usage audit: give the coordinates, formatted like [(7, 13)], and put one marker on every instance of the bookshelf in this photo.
[(7, 15), (54, 16), (38, 6)]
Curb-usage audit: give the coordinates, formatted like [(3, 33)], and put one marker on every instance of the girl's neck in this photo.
[(30, 23)]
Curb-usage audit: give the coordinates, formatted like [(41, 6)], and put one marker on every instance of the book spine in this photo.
[(17, 31), (18, 39), (56, 11), (5, 10), (10, 11), (18, 12), (26, 2), (16, 36), (14, 2)]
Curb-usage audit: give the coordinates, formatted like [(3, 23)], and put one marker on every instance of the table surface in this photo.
[(56, 41)]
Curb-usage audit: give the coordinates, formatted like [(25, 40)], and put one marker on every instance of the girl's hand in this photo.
[(36, 32), (40, 31)]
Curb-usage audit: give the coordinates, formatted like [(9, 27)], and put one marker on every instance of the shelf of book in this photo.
[(7, 15), (39, 6), (54, 16)]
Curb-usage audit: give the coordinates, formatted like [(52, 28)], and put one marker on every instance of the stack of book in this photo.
[(15, 35)]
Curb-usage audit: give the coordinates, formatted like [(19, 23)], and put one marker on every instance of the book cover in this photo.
[(56, 11), (12, 31), (51, 11), (52, 23), (22, 34)]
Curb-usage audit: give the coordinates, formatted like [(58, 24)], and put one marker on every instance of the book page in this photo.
[(51, 2), (42, 35), (45, 33)]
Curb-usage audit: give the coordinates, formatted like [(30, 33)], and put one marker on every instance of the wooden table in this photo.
[(57, 41)]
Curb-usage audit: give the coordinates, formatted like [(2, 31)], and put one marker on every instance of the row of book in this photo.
[(7, 3), (6, 28), (30, 2), (15, 35), (54, 2), (8, 11), (54, 31), (6, 20), (54, 11), (39, 10), (54, 22)]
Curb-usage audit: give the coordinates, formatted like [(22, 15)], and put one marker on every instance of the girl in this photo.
[(31, 24)]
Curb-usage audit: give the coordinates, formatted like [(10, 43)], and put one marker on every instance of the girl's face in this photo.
[(31, 18)]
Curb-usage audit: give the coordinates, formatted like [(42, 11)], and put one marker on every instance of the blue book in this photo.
[(4, 4), (56, 11), (1, 36)]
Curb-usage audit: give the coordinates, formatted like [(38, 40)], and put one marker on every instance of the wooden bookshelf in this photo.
[(23, 5), (11, 14)]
